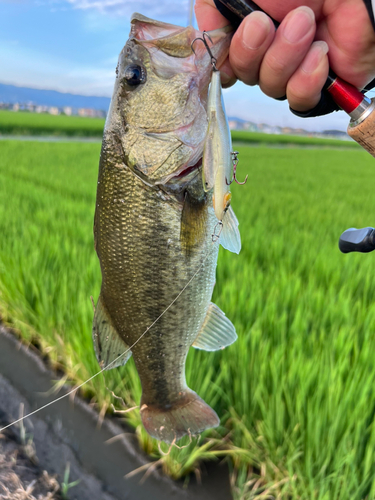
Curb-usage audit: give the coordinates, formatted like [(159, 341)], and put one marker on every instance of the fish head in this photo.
[(158, 111)]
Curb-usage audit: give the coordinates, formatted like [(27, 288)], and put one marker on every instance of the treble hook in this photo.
[(213, 59), (217, 231), (235, 163)]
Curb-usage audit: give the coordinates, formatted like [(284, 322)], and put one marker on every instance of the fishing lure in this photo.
[(219, 161)]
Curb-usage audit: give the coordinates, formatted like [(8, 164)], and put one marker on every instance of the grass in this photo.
[(245, 137), (296, 391), (34, 124), (23, 123)]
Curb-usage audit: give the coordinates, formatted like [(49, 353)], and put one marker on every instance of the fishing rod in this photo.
[(360, 108), (191, 13)]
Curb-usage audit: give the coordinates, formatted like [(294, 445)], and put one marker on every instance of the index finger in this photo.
[(208, 17)]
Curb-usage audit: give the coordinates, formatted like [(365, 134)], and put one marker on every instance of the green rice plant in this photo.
[(66, 485), (245, 137), (295, 392), (23, 123)]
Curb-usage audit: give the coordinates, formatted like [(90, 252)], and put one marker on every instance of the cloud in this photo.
[(160, 9)]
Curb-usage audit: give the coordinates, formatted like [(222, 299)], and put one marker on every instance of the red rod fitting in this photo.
[(345, 95)]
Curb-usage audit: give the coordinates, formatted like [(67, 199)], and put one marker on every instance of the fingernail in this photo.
[(227, 80), (299, 24), (256, 30), (316, 53)]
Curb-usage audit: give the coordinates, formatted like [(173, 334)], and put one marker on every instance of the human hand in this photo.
[(293, 60)]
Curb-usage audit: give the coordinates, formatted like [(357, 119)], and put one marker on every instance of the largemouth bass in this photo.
[(154, 223)]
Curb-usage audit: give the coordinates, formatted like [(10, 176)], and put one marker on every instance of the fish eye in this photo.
[(134, 74)]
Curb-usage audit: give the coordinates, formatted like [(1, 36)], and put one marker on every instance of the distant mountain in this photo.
[(12, 94), (235, 119)]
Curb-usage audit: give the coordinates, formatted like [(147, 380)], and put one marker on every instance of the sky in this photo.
[(73, 45)]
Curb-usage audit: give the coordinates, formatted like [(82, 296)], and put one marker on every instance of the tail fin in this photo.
[(190, 415)]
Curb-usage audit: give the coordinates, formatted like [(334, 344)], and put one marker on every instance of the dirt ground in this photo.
[(20, 476)]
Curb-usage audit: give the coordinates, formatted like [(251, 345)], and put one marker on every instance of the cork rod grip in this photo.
[(363, 131)]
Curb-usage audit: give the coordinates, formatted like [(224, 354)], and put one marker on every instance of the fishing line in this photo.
[(127, 350)]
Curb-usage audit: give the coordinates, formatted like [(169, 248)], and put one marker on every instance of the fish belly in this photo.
[(144, 268)]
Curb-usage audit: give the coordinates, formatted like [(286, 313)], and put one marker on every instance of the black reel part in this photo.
[(357, 240)]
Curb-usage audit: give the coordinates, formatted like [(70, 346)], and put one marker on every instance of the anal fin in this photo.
[(230, 237), (217, 331), (108, 345)]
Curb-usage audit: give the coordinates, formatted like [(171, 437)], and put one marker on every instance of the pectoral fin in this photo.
[(193, 223), (108, 344), (217, 331), (230, 237)]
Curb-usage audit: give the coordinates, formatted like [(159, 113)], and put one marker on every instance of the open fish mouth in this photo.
[(192, 137), (164, 118)]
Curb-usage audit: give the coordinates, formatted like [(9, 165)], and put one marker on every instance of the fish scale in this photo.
[(153, 227), (146, 257)]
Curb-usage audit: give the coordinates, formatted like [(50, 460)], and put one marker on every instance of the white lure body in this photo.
[(217, 159)]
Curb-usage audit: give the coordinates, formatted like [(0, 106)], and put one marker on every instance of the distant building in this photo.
[(53, 110), (251, 127), (41, 109), (6, 105), (287, 130), (92, 113), (233, 124), (86, 112)]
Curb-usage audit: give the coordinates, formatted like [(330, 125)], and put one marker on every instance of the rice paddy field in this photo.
[(34, 124), (23, 123), (296, 392)]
